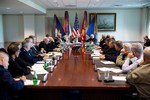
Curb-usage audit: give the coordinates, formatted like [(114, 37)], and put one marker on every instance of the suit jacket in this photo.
[(147, 43), (22, 63), (101, 43), (104, 48), (28, 57), (8, 84), (35, 50), (16, 70), (140, 78), (48, 47), (94, 40), (112, 54)]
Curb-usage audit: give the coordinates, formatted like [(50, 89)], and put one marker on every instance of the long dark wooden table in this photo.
[(76, 72)]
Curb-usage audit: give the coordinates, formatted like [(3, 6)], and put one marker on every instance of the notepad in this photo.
[(40, 62), (95, 54), (30, 82), (104, 69), (96, 51), (95, 57), (119, 78), (115, 70), (107, 62), (39, 69)]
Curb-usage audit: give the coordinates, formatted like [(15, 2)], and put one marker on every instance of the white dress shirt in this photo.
[(126, 67)]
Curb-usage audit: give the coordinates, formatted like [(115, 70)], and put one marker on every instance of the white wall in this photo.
[(29, 25), (40, 27), (13, 28), (143, 24), (1, 32), (130, 24)]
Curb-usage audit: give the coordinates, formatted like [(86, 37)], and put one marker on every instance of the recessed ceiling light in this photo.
[(97, 0), (8, 8)]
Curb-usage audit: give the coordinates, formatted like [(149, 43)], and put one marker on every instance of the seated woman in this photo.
[(16, 68)]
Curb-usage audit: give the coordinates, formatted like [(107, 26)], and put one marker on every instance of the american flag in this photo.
[(76, 27)]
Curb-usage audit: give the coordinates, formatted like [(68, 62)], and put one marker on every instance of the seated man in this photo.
[(123, 54), (102, 40), (140, 77), (113, 51), (47, 45), (59, 39), (146, 41), (92, 40), (16, 68), (34, 49), (134, 58), (26, 55), (7, 83)]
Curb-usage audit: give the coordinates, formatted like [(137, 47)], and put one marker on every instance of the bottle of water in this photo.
[(45, 64), (35, 78)]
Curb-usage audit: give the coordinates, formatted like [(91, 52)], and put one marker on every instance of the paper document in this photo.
[(115, 70), (39, 69), (30, 82), (95, 57), (107, 62), (40, 62), (95, 54), (104, 69), (57, 53), (119, 78), (96, 51)]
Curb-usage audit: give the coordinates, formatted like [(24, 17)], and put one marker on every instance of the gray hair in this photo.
[(127, 46), (26, 44), (137, 47)]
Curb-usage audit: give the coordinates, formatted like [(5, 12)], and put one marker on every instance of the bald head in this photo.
[(92, 36), (4, 60), (146, 54), (46, 40)]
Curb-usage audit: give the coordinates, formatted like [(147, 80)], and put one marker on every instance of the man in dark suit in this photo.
[(113, 51), (47, 45), (7, 83), (146, 41), (26, 55), (16, 66), (92, 39)]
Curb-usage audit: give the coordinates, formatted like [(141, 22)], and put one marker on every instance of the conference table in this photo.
[(75, 72)]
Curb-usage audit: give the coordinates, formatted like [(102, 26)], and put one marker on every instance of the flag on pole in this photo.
[(76, 27), (92, 27), (84, 27), (66, 23), (58, 26)]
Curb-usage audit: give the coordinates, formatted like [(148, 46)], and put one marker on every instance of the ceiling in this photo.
[(40, 6)]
